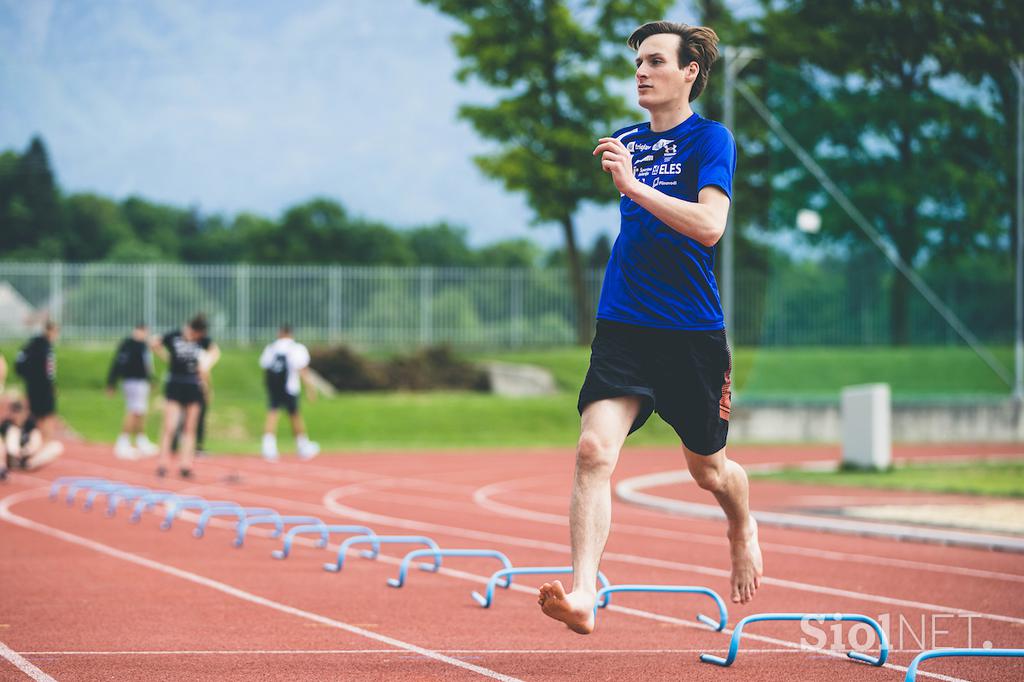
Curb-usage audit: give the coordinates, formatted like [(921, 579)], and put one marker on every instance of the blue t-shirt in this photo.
[(657, 277)]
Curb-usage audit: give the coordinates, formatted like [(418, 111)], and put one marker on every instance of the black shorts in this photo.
[(42, 400), (183, 393), (684, 376), (279, 399)]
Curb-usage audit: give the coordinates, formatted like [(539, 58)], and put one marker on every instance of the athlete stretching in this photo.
[(660, 343)]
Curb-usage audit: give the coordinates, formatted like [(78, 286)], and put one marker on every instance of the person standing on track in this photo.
[(285, 363), (133, 364), (183, 391), (660, 344), (37, 365)]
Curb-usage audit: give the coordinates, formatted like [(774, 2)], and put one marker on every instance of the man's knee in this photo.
[(709, 477), (595, 453)]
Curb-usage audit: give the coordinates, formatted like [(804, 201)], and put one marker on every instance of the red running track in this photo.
[(92, 598)]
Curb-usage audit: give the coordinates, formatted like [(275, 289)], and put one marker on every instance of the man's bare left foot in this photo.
[(575, 609), (747, 565)]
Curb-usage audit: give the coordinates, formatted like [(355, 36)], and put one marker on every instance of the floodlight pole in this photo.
[(1018, 387), (735, 59)]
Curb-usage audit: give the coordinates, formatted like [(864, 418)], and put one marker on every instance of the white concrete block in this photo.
[(867, 426)]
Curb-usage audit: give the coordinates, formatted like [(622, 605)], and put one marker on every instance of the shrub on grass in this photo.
[(430, 368)]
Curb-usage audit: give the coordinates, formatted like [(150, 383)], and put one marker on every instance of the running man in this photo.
[(285, 362), (660, 344), (133, 364), (183, 391)]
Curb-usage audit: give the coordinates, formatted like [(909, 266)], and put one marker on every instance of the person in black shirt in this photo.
[(133, 364), (37, 365), (186, 382)]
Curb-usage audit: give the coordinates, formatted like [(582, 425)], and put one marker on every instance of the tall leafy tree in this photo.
[(553, 62), (861, 86)]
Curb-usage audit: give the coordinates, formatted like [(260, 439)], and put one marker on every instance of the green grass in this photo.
[(465, 420), (993, 478), (820, 373)]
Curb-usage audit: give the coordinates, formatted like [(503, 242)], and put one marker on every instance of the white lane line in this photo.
[(332, 503), (638, 613), (7, 515), (24, 666), (630, 491), (483, 497), (481, 652)]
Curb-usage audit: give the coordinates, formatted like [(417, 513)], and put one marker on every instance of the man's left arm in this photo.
[(702, 220)]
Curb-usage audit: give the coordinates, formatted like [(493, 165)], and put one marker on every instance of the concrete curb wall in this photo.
[(911, 422)]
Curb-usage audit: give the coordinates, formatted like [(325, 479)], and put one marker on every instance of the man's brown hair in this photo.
[(696, 44)]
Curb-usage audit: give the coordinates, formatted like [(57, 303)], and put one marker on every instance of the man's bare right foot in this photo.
[(575, 609), (747, 565)]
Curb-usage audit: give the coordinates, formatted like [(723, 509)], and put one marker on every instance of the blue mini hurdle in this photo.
[(126, 494), (717, 626), (279, 521), (180, 504), (507, 573), (734, 643), (68, 481), (324, 531), (376, 541), (233, 509), (437, 554), (150, 500), (112, 488), (84, 484), (944, 653)]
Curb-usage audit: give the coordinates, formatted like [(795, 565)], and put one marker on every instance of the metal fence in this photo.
[(394, 307)]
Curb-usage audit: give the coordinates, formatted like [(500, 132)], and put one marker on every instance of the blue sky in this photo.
[(258, 105)]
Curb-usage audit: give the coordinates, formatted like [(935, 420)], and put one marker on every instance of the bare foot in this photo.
[(575, 609), (747, 565)]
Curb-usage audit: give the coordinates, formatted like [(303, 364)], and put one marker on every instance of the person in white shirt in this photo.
[(286, 365)]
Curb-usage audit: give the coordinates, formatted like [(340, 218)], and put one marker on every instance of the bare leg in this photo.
[(270, 425), (605, 425), (172, 413), (188, 435), (298, 426), (137, 424), (128, 425), (727, 481)]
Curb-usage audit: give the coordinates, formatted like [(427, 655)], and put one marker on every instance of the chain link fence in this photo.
[(469, 307)]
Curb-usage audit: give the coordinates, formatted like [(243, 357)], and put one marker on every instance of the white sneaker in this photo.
[(145, 448), (271, 457), (123, 449), (308, 451)]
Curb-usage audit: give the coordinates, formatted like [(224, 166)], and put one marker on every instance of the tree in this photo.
[(440, 245), (860, 86), (553, 61), (95, 227), (30, 210)]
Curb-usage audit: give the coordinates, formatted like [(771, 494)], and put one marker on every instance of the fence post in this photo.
[(149, 296), (56, 307), (333, 303), (242, 303), (426, 294), (518, 279)]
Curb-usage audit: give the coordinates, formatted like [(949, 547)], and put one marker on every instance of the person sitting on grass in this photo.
[(23, 443), (186, 382), (285, 362)]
